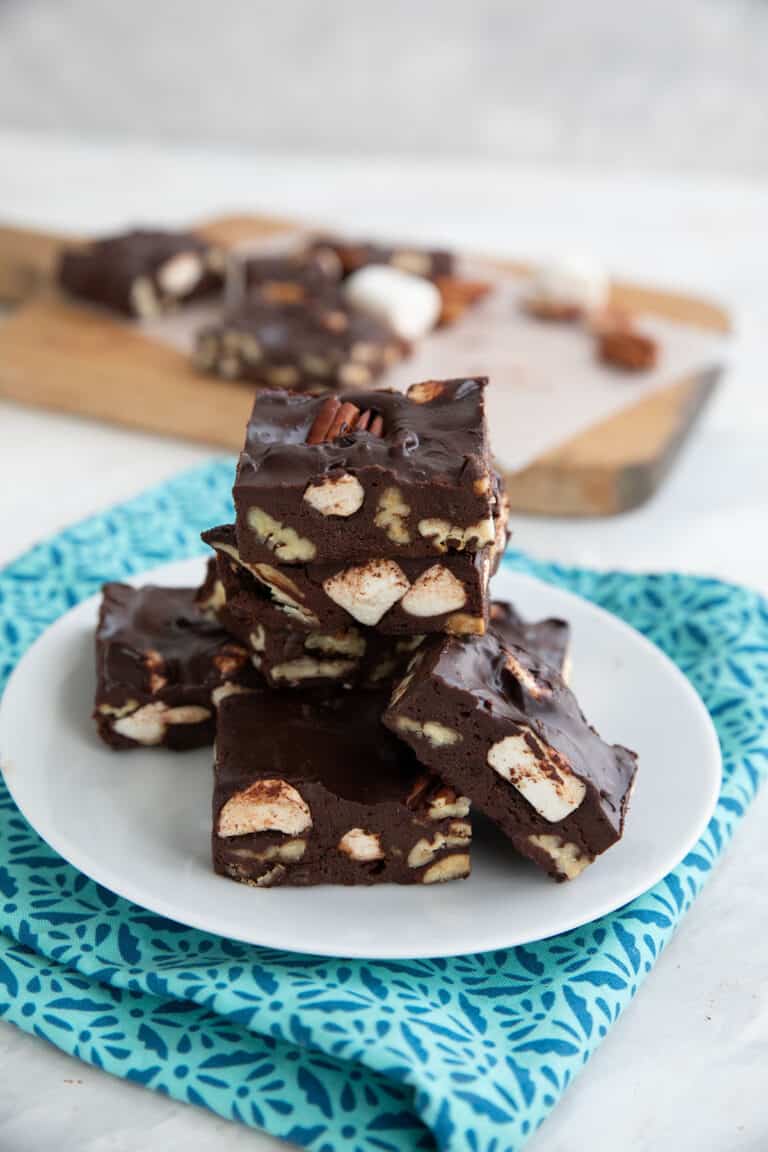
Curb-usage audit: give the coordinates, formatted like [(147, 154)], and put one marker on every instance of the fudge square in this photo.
[(359, 476), (289, 279), (142, 273), (313, 345), (502, 727), (547, 640), (318, 792), (397, 597), (162, 663), (292, 657), (431, 263)]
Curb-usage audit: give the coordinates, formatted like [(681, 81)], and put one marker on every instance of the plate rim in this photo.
[(121, 885)]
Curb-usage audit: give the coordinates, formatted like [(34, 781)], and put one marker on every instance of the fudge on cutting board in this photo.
[(142, 273), (314, 344), (498, 723)]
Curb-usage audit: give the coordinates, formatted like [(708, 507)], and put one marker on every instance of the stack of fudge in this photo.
[(367, 695)]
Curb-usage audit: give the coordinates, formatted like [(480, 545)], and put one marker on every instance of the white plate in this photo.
[(139, 822)]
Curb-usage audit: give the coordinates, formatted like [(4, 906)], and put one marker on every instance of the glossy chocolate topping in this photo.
[(431, 442), (135, 621), (546, 639), (511, 684)]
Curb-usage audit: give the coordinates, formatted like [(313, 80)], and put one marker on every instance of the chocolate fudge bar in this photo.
[(318, 792), (365, 475), (502, 727), (315, 345), (290, 657), (290, 279), (548, 640), (142, 273), (430, 263), (162, 664), (398, 597)]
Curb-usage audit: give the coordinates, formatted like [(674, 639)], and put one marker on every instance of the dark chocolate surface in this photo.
[(155, 645), (289, 279), (547, 640), (488, 689), (315, 345), (106, 271), (354, 254), (351, 775), (423, 461), (435, 442)]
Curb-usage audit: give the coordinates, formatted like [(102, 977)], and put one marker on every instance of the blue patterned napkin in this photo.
[(467, 1054)]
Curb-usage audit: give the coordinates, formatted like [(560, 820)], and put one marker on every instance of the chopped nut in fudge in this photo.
[(500, 725), (162, 663), (368, 475), (314, 345), (313, 791), (142, 273), (397, 597)]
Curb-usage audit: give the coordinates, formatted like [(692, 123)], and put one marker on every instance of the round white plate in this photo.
[(139, 821)]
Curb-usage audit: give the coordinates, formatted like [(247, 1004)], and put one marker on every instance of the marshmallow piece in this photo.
[(539, 773), (410, 304), (572, 281)]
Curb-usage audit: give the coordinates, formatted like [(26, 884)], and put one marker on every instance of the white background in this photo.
[(676, 85), (684, 1071)]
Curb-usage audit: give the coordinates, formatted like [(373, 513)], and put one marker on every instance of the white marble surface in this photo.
[(684, 1070)]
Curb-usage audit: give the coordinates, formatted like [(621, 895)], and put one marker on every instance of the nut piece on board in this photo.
[(627, 349)]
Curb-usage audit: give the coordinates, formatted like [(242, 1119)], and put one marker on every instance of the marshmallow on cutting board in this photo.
[(573, 280), (410, 304)]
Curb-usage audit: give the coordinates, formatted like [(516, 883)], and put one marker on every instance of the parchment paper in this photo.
[(546, 383)]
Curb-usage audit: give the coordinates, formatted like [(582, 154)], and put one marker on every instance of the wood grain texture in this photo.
[(55, 354)]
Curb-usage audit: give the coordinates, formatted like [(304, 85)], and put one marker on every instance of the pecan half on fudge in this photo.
[(162, 663), (315, 345), (142, 273), (318, 792), (430, 263), (290, 655), (398, 597), (361, 476), (502, 727)]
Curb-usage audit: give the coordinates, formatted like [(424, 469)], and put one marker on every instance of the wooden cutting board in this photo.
[(55, 354)]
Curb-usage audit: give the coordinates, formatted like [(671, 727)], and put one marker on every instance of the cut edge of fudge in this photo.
[(296, 658), (500, 724), (404, 597), (310, 792)]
